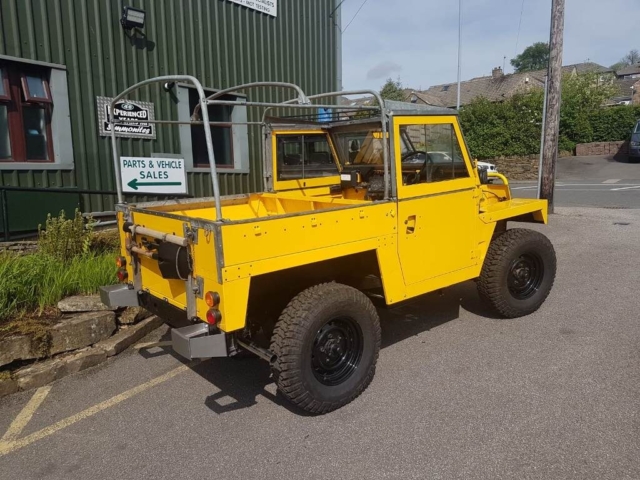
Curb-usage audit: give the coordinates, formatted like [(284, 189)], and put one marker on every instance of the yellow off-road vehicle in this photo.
[(385, 201)]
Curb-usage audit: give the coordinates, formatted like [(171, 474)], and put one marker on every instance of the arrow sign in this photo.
[(153, 175), (135, 184)]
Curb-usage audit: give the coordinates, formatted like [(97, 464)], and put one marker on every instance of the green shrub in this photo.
[(64, 237), (513, 127), (36, 282)]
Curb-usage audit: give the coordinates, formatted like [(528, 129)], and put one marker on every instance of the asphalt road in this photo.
[(591, 181), (458, 394)]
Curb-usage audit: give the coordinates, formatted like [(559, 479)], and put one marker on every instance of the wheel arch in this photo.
[(269, 293)]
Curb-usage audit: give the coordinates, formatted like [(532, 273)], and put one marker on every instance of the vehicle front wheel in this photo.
[(326, 342), (518, 272)]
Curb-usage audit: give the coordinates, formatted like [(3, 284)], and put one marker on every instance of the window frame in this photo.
[(239, 134), (16, 103), (5, 85), (433, 188), (27, 92)]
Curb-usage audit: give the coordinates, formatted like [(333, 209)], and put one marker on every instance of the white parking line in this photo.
[(574, 187), (625, 188), (612, 180)]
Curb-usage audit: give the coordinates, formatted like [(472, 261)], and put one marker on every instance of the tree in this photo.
[(392, 90), (631, 58), (534, 57), (618, 66)]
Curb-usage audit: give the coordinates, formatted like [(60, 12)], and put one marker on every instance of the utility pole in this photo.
[(552, 114)]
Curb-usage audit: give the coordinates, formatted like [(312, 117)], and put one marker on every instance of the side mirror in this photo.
[(483, 174)]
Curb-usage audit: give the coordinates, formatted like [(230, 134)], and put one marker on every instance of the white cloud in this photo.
[(383, 70)]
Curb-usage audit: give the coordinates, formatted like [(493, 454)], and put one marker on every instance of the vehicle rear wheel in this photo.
[(518, 272), (326, 342)]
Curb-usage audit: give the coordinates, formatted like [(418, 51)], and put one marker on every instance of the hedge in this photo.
[(513, 127)]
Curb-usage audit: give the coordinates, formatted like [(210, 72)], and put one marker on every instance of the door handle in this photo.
[(410, 222)]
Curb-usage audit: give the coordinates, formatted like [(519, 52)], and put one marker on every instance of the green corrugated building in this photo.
[(59, 57)]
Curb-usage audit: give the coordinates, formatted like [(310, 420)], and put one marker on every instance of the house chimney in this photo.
[(496, 72)]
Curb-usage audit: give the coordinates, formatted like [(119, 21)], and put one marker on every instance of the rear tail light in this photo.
[(214, 316), (212, 299), (122, 275), (121, 262)]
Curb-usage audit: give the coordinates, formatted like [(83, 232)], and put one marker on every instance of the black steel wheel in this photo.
[(518, 272), (326, 343), (525, 275), (337, 350)]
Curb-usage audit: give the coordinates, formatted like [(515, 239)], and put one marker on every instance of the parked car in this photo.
[(489, 166), (634, 144)]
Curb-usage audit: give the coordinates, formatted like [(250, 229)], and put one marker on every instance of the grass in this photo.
[(34, 284)]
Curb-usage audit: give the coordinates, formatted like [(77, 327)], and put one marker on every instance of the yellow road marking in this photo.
[(13, 445), (25, 415), (140, 346)]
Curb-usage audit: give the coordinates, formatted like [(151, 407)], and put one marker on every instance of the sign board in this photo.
[(153, 175), (127, 110), (270, 7)]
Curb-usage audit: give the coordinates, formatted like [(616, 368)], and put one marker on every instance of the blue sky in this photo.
[(417, 40)]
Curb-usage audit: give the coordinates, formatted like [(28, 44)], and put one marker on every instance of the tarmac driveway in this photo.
[(457, 393)]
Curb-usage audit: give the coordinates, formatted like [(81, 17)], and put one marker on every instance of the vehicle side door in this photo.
[(437, 198)]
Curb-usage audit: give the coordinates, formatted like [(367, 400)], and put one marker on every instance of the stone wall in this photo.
[(521, 168), (518, 168), (19, 247), (602, 148)]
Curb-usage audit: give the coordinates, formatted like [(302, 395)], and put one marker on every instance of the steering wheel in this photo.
[(423, 170), (414, 153)]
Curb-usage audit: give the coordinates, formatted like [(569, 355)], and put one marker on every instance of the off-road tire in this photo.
[(505, 250), (295, 339)]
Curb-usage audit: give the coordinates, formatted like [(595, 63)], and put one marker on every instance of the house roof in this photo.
[(630, 70), (427, 98), (586, 67), (624, 90), (496, 88)]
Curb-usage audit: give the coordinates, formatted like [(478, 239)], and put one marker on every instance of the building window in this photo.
[(222, 135), (230, 136), (25, 114)]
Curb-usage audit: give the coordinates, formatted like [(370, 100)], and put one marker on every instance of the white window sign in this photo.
[(153, 175), (270, 7)]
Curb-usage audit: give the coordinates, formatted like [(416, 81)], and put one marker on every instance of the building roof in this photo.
[(426, 98), (625, 92), (586, 67), (496, 88), (629, 70)]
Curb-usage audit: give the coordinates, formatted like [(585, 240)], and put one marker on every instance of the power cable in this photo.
[(519, 27), (354, 17)]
